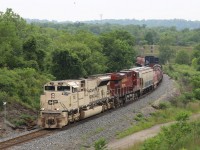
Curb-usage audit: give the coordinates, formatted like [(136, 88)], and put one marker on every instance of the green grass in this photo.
[(136, 146), (160, 116), (100, 144), (23, 119), (185, 102), (182, 135), (98, 130), (190, 130)]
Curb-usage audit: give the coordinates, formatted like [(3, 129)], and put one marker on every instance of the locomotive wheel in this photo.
[(117, 102), (135, 96)]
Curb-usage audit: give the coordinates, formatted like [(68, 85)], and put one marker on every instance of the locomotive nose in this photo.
[(51, 121)]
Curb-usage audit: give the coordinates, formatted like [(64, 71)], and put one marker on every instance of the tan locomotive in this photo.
[(71, 100)]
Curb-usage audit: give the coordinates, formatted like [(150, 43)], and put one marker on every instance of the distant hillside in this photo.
[(178, 23)]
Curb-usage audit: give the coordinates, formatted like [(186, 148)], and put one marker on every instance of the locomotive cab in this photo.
[(56, 102)]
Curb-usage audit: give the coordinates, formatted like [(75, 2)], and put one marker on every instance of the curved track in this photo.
[(41, 133)]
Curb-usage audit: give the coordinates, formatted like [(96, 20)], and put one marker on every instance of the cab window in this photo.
[(63, 88), (74, 90), (50, 88)]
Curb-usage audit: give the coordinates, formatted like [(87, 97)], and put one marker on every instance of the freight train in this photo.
[(67, 101)]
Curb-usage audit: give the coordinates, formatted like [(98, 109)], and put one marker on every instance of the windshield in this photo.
[(63, 88), (50, 88)]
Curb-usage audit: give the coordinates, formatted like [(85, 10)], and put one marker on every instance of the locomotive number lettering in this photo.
[(52, 102), (52, 95)]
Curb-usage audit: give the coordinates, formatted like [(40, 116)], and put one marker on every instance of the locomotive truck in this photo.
[(68, 101)]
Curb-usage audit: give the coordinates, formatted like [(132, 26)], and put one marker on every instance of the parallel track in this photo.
[(24, 138)]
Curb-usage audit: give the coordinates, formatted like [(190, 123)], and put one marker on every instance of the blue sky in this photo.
[(80, 10)]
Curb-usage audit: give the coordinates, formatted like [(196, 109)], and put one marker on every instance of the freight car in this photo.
[(147, 61), (67, 101)]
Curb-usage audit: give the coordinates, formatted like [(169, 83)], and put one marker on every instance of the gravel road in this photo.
[(83, 135)]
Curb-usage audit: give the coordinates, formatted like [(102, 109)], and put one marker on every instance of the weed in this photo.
[(98, 130), (182, 116), (23, 119), (164, 105), (139, 117), (100, 144)]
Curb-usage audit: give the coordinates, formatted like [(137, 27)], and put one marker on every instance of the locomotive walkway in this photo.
[(121, 144)]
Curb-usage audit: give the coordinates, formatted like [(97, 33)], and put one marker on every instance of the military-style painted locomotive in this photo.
[(67, 101)]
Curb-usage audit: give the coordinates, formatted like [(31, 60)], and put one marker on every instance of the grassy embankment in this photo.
[(183, 134)]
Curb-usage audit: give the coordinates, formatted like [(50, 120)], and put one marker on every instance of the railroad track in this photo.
[(41, 133), (24, 138)]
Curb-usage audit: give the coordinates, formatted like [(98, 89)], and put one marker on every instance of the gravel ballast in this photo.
[(83, 134)]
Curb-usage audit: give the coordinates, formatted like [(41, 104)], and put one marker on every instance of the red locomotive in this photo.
[(134, 82)]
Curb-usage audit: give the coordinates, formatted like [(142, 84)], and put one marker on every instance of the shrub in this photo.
[(23, 85), (23, 119), (182, 116), (139, 117), (197, 93), (189, 95), (100, 144), (26, 117), (164, 105), (3, 98), (172, 137), (182, 57)]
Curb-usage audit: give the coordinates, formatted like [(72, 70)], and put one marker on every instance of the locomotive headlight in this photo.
[(42, 109)]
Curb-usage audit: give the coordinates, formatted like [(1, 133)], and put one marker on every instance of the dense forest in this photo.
[(34, 53)]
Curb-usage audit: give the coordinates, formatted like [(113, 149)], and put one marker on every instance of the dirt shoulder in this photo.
[(14, 112), (119, 144)]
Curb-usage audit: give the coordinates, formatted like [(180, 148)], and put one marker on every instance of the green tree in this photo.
[(196, 57), (92, 60), (182, 57), (66, 65), (10, 41), (151, 37), (33, 55), (118, 48), (165, 53)]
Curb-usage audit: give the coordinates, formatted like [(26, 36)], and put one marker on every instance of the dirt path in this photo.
[(120, 144)]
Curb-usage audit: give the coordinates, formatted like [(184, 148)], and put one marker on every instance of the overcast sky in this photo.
[(80, 10)]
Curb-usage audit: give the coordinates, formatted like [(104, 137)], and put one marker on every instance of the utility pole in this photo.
[(101, 17), (4, 120)]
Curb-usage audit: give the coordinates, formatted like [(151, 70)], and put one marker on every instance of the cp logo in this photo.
[(52, 102)]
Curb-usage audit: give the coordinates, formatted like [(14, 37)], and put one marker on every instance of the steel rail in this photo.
[(24, 138)]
